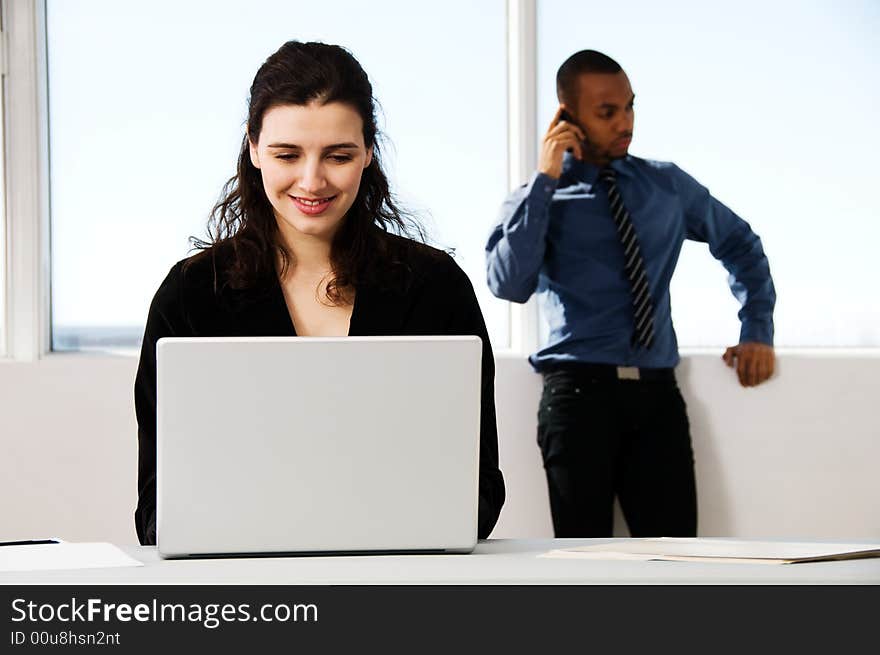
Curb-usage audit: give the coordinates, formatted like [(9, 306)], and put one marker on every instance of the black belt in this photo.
[(612, 372)]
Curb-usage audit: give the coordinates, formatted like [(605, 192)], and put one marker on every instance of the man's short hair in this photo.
[(580, 63)]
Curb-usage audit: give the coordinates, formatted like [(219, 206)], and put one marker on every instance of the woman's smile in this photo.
[(312, 206)]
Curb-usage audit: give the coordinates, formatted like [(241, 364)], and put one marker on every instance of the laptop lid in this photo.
[(304, 444)]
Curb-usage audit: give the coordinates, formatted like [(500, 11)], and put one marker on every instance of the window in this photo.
[(146, 113), (765, 104), (768, 105)]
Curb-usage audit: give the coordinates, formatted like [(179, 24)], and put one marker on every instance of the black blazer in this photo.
[(193, 302)]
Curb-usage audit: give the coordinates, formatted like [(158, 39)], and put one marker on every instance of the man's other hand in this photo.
[(754, 362)]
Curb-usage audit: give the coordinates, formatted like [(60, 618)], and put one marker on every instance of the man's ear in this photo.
[(369, 158), (255, 157)]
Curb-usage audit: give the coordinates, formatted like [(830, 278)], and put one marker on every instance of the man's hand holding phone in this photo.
[(562, 135)]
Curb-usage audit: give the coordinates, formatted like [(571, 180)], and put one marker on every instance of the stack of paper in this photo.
[(718, 550), (54, 555)]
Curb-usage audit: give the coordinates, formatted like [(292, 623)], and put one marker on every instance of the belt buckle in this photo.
[(628, 373)]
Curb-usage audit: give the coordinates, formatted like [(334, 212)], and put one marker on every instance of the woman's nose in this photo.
[(312, 178)]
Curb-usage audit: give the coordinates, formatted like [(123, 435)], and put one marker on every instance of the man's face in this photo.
[(603, 108)]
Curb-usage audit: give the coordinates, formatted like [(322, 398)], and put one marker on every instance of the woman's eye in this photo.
[(287, 156), (340, 159)]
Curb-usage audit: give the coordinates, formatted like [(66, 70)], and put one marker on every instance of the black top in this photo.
[(193, 302)]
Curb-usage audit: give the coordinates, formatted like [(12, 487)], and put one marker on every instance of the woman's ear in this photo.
[(369, 158), (255, 156)]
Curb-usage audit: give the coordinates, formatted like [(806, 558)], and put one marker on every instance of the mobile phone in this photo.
[(565, 116)]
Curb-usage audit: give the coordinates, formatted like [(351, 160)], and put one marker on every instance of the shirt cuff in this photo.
[(541, 188), (760, 331)]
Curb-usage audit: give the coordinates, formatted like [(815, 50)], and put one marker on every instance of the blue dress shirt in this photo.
[(557, 237)]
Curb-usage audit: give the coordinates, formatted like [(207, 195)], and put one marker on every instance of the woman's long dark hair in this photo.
[(243, 220)]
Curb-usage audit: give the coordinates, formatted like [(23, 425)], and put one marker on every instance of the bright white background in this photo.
[(147, 103), (767, 104)]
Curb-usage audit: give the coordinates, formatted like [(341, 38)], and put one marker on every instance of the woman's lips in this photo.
[(312, 206)]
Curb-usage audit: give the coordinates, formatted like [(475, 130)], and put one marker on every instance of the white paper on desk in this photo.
[(718, 550), (64, 555)]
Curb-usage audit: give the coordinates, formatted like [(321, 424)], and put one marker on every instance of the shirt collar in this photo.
[(586, 172)]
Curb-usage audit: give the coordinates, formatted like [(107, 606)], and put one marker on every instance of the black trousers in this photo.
[(602, 437)]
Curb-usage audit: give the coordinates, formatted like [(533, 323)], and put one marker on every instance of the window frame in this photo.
[(26, 313), (522, 152)]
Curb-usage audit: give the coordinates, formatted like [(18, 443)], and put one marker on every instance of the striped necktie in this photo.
[(643, 306)]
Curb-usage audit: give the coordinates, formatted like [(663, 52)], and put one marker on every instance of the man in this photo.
[(597, 233)]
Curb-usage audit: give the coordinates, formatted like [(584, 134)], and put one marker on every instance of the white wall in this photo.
[(795, 457), (69, 448)]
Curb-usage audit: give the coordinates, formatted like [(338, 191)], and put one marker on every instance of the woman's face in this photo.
[(311, 158)]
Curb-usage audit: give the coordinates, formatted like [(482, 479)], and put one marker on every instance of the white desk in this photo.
[(493, 562)]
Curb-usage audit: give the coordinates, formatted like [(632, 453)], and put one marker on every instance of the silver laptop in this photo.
[(305, 445)]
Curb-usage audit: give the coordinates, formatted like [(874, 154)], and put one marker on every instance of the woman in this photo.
[(303, 242)]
